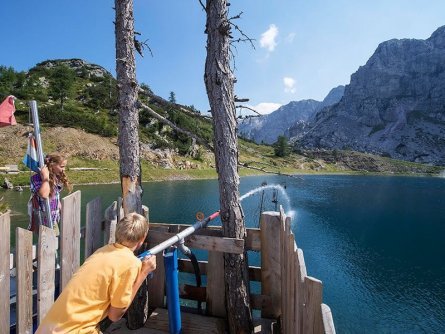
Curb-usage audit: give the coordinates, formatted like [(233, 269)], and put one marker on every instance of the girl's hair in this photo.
[(50, 161), (131, 229)]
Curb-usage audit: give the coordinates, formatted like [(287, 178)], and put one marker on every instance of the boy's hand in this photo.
[(148, 264)]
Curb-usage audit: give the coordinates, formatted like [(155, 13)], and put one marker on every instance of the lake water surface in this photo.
[(377, 243)]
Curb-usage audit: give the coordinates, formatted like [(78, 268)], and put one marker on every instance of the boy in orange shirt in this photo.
[(105, 285)]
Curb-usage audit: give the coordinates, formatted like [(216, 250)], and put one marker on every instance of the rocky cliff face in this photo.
[(394, 105), (267, 128)]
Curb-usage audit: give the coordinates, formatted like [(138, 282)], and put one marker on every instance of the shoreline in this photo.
[(297, 174)]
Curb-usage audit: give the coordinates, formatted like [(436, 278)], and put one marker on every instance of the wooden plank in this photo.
[(298, 291), (270, 262), (34, 256), (110, 216), (302, 274), (260, 302), (185, 265), (328, 321), (146, 212), (5, 234), (156, 285), (24, 280), (215, 302), (217, 244), (93, 225), (70, 237), (45, 271), (283, 267), (119, 209), (191, 323), (254, 274), (253, 239), (292, 250), (313, 321), (252, 242), (191, 292)]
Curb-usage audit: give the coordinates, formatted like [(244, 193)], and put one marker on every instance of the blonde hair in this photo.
[(50, 161), (131, 229)]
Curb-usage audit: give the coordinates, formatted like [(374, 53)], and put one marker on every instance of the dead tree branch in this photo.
[(174, 126), (245, 107), (141, 46)]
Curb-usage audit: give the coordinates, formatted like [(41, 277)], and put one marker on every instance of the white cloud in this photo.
[(290, 38), (289, 85), (268, 38), (264, 107)]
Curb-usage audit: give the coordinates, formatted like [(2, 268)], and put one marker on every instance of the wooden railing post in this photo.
[(70, 237), (328, 321), (215, 292), (270, 263), (46, 255), (5, 234), (110, 223), (24, 280), (93, 226), (313, 321)]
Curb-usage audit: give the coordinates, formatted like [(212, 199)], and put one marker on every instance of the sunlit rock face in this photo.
[(394, 105)]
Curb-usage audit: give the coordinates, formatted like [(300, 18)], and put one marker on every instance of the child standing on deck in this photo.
[(105, 285), (48, 184)]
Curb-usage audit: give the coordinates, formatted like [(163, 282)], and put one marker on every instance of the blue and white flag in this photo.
[(31, 160)]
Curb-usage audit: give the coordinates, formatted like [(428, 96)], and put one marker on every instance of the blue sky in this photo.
[(302, 49)]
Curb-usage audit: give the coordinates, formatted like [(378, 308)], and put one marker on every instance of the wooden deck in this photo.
[(191, 324), (283, 290)]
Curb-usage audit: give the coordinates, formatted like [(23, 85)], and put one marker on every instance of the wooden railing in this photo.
[(287, 296)]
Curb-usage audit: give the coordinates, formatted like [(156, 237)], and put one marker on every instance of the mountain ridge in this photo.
[(394, 105)]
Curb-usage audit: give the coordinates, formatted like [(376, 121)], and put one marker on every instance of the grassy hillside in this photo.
[(78, 113)]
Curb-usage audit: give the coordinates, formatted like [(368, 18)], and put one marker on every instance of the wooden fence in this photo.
[(295, 304)]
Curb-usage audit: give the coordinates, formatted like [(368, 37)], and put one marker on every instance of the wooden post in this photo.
[(70, 237), (46, 255), (24, 280), (157, 283), (313, 322), (110, 223), (283, 270), (93, 233), (301, 275), (270, 263), (215, 292), (5, 234), (290, 292), (328, 321)]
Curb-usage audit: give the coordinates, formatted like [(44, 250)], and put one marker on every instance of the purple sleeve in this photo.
[(36, 183)]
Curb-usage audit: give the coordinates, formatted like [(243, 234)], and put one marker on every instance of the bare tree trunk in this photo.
[(128, 138), (219, 82)]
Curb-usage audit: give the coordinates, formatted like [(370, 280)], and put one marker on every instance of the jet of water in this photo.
[(271, 186)]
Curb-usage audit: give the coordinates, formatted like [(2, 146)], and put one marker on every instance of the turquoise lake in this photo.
[(377, 243)]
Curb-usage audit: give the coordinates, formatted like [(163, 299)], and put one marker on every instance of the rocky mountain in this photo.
[(394, 105), (267, 128)]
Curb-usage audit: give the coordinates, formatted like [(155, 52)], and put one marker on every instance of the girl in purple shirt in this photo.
[(48, 184)]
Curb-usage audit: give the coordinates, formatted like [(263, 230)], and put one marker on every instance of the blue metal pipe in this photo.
[(171, 277)]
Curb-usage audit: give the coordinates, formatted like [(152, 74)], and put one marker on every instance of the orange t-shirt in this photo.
[(106, 278)]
